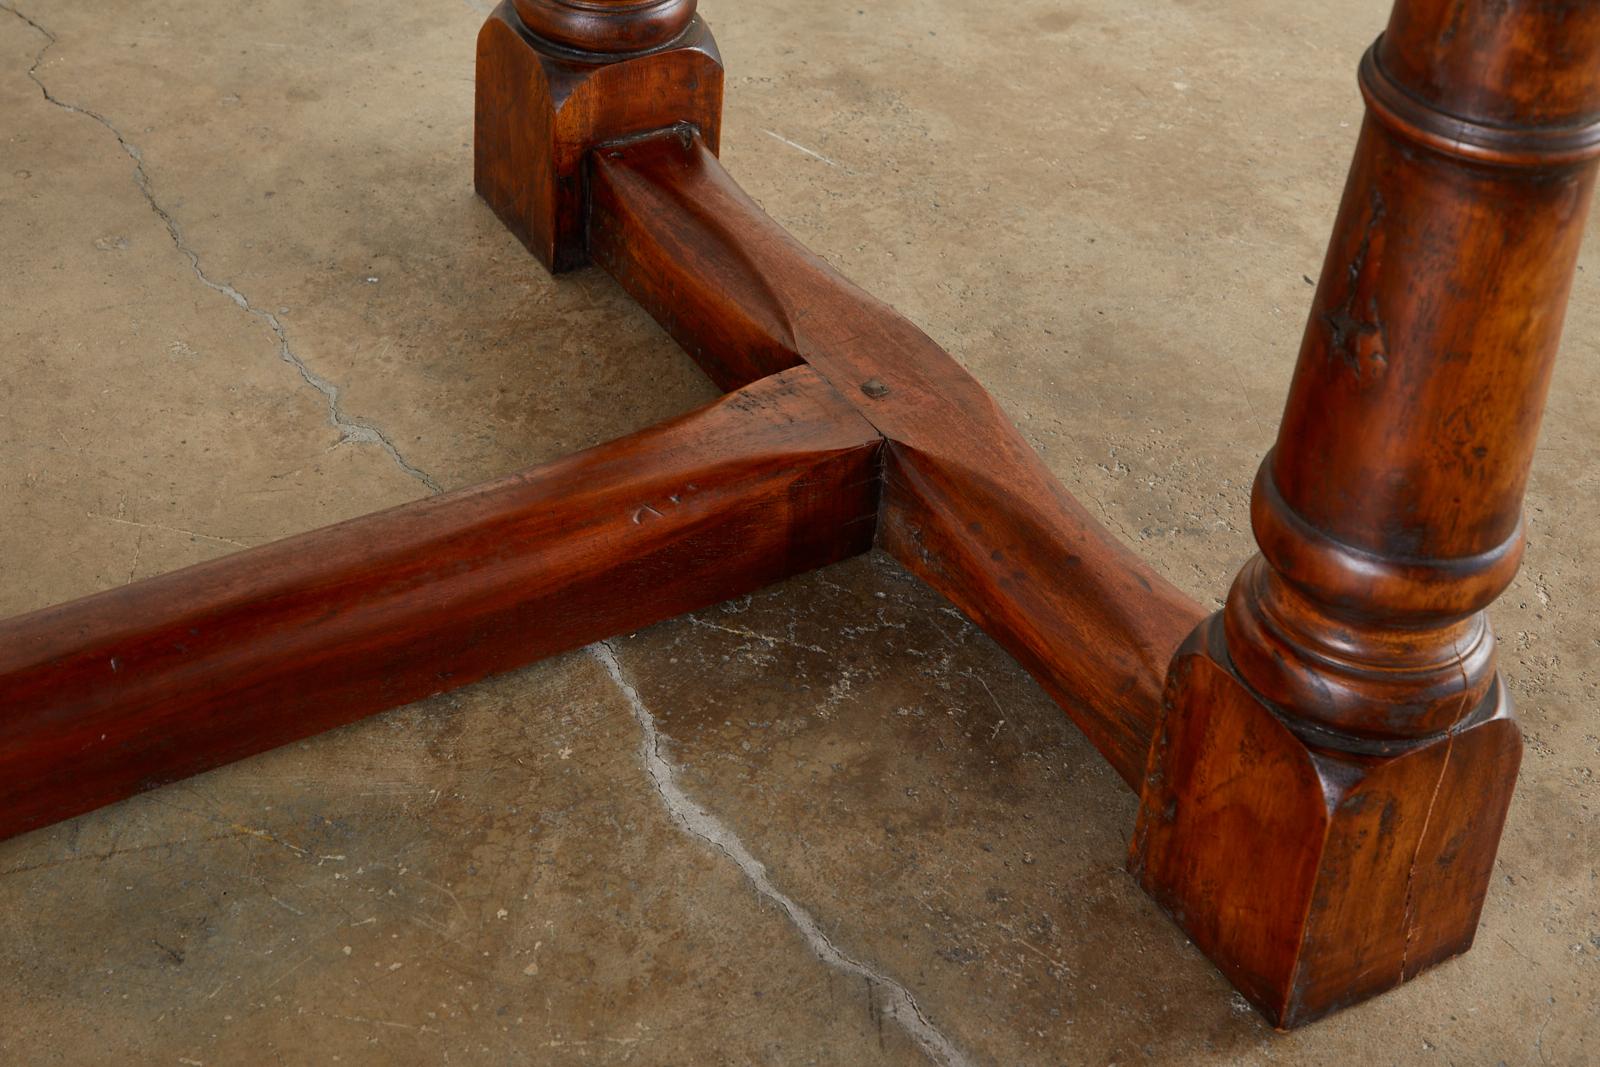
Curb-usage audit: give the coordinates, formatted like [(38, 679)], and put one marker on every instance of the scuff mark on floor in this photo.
[(892, 998), (351, 430), (800, 147)]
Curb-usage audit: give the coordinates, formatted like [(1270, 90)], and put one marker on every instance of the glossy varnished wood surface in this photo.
[(154, 681), (606, 25), (1325, 770), (540, 107), (1326, 796), (968, 504)]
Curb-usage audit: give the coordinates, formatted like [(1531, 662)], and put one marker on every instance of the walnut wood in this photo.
[(540, 108), (118, 692), (1325, 799), (606, 25), (1523, 68), (968, 505), (1313, 877), (1393, 501), (1326, 769)]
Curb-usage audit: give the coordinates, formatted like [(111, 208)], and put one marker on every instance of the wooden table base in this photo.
[(1324, 766)]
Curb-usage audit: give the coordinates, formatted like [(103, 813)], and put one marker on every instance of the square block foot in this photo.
[(1316, 877), (541, 108)]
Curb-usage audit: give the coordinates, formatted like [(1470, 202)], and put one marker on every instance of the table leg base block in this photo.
[(1316, 878), (541, 108)]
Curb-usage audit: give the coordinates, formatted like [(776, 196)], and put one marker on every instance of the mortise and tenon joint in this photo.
[(1324, 766)]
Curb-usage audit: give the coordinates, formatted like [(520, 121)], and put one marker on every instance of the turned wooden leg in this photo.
[(558, 77), (1324, 799), (1330, 759)]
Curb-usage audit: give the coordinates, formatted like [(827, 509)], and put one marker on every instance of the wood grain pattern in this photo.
[(1316, 877), (1326, 796), (968, 504), (147, 683), (540, 109), (1326, 767)]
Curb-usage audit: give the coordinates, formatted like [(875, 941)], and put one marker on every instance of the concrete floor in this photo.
[(246, 290)]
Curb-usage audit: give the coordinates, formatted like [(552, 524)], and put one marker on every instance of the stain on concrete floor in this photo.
[(247, 291)]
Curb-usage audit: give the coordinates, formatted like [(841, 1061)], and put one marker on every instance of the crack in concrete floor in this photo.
[(351, 430), (695, 820)]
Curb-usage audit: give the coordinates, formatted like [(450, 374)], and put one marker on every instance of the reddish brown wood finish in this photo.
[(968, 506), (1325, 799), (151, 682), (606, 25), (1332, 755), (541, 107), (1316, 877)]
